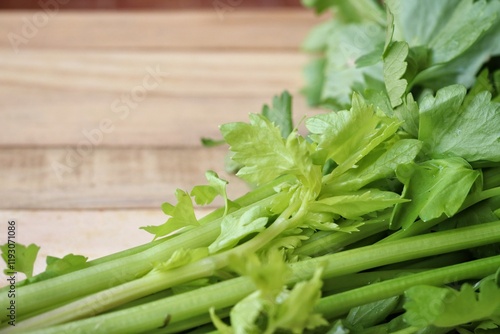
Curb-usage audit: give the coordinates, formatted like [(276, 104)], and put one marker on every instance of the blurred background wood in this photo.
[(147, 4), (101, 112)]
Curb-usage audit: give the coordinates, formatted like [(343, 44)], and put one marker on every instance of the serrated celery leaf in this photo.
[(56, 267), (378, 164), (182, 215), (272, 307), (444, 26), (378, 97), (450, 128), (408, 114), (418, 21), (450, 307), (280, 113), (463, 69), (435, 187), (285, 245), (233, 229), (263, 153), (394, 68), (481, 84), (245, 313), (321, 220), (418, 298), (453, 52), (19, 258), (70, 262), (342, 75), (205, 194), (348, 136), (259, 147), (356, 204), (268, 271), (401, 65), (456, 34), (296, 313)]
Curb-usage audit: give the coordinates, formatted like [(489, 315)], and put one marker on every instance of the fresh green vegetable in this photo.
[(426, 45), (19, 257), (368, 224)]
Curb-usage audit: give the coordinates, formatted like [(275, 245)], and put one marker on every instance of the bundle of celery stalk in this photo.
[(383, 219)]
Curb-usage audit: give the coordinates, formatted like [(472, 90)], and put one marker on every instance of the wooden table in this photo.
[(101, 113)]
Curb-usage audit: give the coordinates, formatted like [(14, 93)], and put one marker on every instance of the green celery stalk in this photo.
[(125, 267), (158, 280), (221, 295), (338, 304)]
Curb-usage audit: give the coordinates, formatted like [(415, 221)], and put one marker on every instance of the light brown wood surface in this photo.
[(70, 81)]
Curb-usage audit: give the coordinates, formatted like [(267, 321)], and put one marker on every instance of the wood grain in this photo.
[(183, 74), (52, 97), (46, 178), (147, 4), (31, 118), (273, 29)]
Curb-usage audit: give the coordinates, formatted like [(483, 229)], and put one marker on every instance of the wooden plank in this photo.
[(92, 233), (148, 4), (58, 178), (202, 74), (54, 98), (208, 29), (32, 116)]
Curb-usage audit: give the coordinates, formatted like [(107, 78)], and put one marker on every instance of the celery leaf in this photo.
[(182, 215), (448, 127), (19, 258), (273, 308), (378, 164), (394, 68), (280, 113), (233, 229), (356, 204), (435, 187), (445, 307), (264, 154), (205, 194), (344, 57), (347, 136), (296, 312)]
